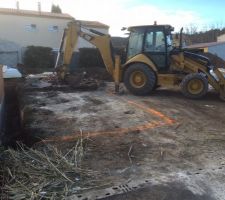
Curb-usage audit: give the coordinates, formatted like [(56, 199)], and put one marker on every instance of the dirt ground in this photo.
[(161, 147)]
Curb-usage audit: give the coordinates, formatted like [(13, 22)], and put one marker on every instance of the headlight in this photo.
[(214, 75)]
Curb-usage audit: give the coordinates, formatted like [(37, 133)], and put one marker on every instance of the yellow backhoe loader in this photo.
[(151, 61)]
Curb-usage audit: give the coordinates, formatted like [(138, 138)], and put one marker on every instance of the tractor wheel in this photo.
[(139, 79), (194, 85)]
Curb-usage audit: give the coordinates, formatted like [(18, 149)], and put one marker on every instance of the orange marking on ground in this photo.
[(146, 109), (153, 111), (118, 131), (165, 120)]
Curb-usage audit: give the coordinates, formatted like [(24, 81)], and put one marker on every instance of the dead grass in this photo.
[(44, 174)]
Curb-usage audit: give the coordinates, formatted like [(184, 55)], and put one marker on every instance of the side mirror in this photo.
[(123, 29)]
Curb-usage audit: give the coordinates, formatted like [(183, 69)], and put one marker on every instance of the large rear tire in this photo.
[(194, 86), (139, 79)]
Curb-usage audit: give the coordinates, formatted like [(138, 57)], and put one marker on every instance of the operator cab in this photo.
[(154, 41)]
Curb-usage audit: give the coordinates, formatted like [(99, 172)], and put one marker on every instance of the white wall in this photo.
[(221, 38), (15, 29), (85, 44), (15, 34)]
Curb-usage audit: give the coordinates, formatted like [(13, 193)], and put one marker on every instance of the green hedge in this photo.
[(90, 57), (38, 57), (121, 52)]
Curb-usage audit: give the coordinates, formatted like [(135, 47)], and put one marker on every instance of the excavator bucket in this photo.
[(222, 93), (220, 74)]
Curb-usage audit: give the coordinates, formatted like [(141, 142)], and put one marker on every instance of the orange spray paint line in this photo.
[(164, 120)]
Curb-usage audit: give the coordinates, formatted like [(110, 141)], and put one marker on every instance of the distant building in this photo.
[(216, 48), (221, 38), (22, 28), (98, 26)]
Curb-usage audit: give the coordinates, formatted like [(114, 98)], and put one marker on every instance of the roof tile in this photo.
[(11, 11), (93, 24)]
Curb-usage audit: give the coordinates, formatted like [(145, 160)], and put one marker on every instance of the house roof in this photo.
[(95, 24), (19, 12), (204, 45), (31, 13)]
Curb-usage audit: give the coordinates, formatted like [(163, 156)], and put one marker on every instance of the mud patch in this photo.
[(94, 101), (133, 137), (173, 191)]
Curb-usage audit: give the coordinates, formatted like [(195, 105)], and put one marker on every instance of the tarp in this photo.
[(10, 72)]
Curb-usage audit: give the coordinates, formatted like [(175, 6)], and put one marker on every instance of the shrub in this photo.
[(121, 52), (38, 57), (90, 57)]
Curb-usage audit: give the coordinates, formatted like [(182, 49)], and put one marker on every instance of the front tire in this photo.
[(139, 79), (194, 86)]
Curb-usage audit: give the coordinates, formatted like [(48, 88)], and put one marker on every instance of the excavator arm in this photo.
[(100, 40), (68, 41), (220, 76)]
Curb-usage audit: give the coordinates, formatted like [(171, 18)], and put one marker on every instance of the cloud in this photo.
[(120, 13), (116, 13)]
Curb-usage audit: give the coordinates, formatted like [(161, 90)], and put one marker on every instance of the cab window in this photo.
[(154, 42), (135, 43), (148, 45)]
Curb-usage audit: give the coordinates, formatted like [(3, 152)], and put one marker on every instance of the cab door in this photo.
[(135, 45), (155, 47)]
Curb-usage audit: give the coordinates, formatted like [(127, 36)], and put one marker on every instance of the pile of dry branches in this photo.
[(47, 174)]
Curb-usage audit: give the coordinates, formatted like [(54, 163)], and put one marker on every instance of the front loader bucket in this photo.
[(222, 93), (220, 73)]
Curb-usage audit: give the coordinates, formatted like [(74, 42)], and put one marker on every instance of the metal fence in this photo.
[(10, 58)]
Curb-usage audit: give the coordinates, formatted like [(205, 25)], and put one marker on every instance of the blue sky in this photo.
[(209, 11), (120, 13)]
